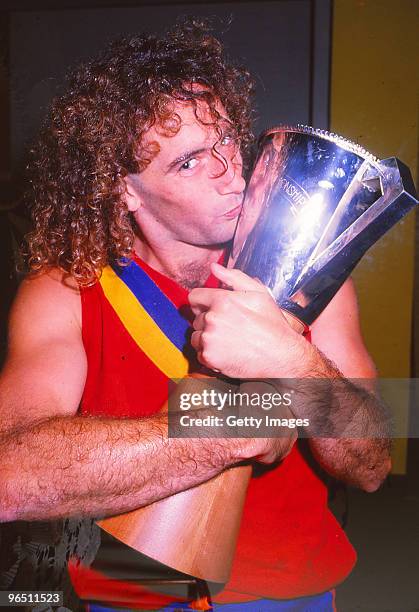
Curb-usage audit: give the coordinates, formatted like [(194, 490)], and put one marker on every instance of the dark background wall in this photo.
[(274, 39)]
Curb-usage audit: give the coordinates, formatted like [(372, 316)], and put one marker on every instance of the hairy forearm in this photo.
[(67, 466), (349, 426)]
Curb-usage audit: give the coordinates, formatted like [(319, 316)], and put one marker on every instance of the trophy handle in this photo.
[(321, 279), (397, 197)]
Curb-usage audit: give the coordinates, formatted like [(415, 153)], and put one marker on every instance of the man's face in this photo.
[(188, 193)]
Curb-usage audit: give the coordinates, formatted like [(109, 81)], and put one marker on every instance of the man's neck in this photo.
[(188, 265)]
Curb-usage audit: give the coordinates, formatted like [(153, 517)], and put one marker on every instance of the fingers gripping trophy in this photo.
[(315, 204)]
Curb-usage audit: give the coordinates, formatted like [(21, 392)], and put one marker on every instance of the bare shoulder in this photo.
[(46, 305), (45, 371), (337, 333)]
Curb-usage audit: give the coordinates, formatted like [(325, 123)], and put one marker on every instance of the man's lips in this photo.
[(233, 213)]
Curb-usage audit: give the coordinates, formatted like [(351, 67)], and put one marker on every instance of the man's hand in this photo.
[(271, 450), (242, 333)]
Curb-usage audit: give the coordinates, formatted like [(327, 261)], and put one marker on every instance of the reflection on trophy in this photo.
[(314, 205)]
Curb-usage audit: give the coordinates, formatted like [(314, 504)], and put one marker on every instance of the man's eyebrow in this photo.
[(185, 156)]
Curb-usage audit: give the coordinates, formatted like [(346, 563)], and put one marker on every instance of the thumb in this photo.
[(236, 279)]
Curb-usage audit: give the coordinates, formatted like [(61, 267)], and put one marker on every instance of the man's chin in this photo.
[(220, 243), (214, 241), (224, 237)]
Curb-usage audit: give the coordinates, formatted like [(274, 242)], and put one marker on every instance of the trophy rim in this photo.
[(341, 141)]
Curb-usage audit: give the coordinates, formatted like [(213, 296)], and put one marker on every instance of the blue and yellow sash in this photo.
[(151, 319)]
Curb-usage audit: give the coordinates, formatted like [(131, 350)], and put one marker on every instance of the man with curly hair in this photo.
[(138, 172)]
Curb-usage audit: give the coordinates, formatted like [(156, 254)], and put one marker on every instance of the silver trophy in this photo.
[(314, 205)]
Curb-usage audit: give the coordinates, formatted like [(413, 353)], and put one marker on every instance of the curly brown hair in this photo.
[(92, 139)]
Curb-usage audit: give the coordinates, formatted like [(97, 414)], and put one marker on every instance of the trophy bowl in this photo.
[(314, 204)]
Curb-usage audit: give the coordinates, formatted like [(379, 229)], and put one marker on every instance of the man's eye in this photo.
[(227, 139), (189, 164)]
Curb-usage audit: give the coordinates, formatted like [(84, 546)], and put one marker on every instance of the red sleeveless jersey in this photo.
[(290, 545)]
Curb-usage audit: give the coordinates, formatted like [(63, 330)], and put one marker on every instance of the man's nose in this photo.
[(228, 174)]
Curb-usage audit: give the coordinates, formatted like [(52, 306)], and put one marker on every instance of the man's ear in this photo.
[(132, 196)]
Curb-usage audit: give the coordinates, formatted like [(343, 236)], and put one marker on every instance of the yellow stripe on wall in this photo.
[(142, 328), (374, 102)]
